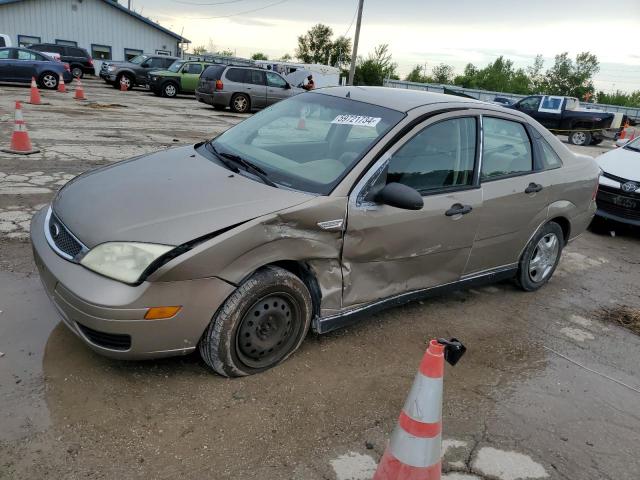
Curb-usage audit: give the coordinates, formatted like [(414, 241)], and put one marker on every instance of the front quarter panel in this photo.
[(288, 235)]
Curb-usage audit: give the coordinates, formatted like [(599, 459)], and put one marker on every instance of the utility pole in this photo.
[(354, 55)]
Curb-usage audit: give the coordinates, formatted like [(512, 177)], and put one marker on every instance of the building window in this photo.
[(163, 52), (68, 43), (27, 40), (100, 52), (129, 53)]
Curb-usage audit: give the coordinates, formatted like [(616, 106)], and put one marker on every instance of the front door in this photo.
[(256, 87), (7, 73), (388, 251), (515, 195), (529, 105), (190, 76), (25, 65), (277, 88)]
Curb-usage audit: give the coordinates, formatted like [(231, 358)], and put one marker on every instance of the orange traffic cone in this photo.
[(302, 124), (79, 95), (35, 93), (62, 88), (414, 449), (123, 85), (20, 142)]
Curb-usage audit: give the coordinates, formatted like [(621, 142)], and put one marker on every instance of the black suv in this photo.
[(79, 60), (134, 72)]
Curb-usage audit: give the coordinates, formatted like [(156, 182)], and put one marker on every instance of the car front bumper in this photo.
[(619, 206), (108, 315)]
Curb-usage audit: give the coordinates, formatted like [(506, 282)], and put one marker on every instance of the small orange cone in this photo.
[(123, 85), (20, 142), (79, 95), (61, 86), (35, 93)]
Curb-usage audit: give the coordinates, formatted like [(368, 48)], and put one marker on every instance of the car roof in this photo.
[(398, 99)]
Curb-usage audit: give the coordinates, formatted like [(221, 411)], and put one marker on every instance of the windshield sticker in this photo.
[(358, 120)]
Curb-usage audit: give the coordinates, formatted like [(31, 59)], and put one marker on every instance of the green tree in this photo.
[(442, 73), (340, 55), (570, 78), (286, 57), (315, 45), (227, 53), (259, 56), (378, 66), (620, 98), (536, 75), (417, 75), (199, 50)]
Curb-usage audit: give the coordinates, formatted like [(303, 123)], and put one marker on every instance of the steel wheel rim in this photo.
[(268, 331), (170, 90), (49, 81), (240, 103), (544, 257), (126, 81), (76, 72), (579, 138)]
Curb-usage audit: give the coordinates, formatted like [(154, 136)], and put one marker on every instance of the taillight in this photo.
[(66, 67), (91, 61), (219, 85)]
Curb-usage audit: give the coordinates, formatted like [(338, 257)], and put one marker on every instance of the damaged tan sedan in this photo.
[(319, 209)]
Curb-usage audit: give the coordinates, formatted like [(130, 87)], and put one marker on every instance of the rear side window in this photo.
[(4, 54), (550, 158), (506, 149), (213, 72), (440, 156), (236, 75), (24, 55)]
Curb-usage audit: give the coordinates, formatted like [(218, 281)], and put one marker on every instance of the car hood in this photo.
[(621, 162), (169, 197)]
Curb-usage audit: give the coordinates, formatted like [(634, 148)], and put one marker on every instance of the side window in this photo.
[(440, 156), (552, 103), (24, 55), (4, 54), (77, 52), (275, 80), (154, 63), (194, 68), (166, 62), (530, 103), (256, 77), (235, 75), (550, 158), (2, 42), (506, 149)]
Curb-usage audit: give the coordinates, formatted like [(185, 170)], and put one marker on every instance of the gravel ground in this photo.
[(549, 387)]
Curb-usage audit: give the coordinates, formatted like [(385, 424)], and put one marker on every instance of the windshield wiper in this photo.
[(231, 166), (248, 166), (635, 149)]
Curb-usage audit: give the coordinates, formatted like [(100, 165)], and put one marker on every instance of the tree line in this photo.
[(566, 76)]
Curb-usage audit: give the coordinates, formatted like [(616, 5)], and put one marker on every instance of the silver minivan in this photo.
[(242, 88)]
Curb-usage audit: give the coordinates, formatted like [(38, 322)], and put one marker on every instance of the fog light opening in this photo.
[(159, 313)]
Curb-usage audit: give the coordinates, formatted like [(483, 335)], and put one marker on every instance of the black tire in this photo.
[(601, 226), (219, 107), (128, 81), (76, 71), (531, 274), (240, 103), (580, 137), (49, 80), (272, 309), (596, 141), (169, 89)]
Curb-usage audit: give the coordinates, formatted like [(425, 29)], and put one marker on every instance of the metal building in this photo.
[(106, 29)]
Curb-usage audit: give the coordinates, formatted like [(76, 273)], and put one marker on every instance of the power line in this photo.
[(352, 20), (239, 13)]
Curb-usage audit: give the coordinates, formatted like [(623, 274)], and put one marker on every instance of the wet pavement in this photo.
[(546, 389)]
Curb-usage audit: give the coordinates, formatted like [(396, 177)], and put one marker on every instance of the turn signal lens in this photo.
[(158, 313)]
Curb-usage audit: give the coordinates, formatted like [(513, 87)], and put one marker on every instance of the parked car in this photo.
[(181, 77), (135, 71), (564, 115), (78, 58), (19, 65), (619, 193), (503, 101), (242, 88), (5, 40), (237, 246)]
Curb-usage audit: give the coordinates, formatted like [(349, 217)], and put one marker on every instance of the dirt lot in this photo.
[(549, 388)]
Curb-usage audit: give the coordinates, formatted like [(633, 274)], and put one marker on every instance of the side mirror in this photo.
[(400, 196), (287, 86)]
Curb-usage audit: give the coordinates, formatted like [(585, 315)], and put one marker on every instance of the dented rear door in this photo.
[(389, 251)]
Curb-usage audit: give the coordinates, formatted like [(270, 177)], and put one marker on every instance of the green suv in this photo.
[(180, 77)]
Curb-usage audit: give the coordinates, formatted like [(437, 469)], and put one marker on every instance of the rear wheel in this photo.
[(540, 258), (49, 80), (260, 325), (240, 103), (169, 89), (579, 137), (77, 71)]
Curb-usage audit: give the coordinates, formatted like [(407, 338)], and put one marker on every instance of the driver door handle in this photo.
[(458, 209), (533, 188)]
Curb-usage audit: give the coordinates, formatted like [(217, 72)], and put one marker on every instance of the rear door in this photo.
[(277, 88), (25, 65), (515, 194), (389, 251), (190, 76)]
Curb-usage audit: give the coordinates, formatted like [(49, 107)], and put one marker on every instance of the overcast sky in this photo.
[(418, 31)]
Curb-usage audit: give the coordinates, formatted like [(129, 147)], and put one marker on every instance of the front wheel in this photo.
[(259, 326), (540, 258), (49, 80), (580, 137), (169, 90)]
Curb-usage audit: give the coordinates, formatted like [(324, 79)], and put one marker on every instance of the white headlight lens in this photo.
[(111, 68), (122, 260)]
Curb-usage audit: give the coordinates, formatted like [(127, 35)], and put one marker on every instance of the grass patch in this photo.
[(626, 317)]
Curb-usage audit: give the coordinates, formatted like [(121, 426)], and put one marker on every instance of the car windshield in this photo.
[(139, 59), (633, 145), (309, 142), (175, 66)]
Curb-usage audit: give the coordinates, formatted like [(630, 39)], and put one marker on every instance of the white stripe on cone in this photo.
[(415, 451), (424, 402)]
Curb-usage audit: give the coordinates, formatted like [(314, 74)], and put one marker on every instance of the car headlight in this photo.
[(124, 261), (111, 68), (154, 78)]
